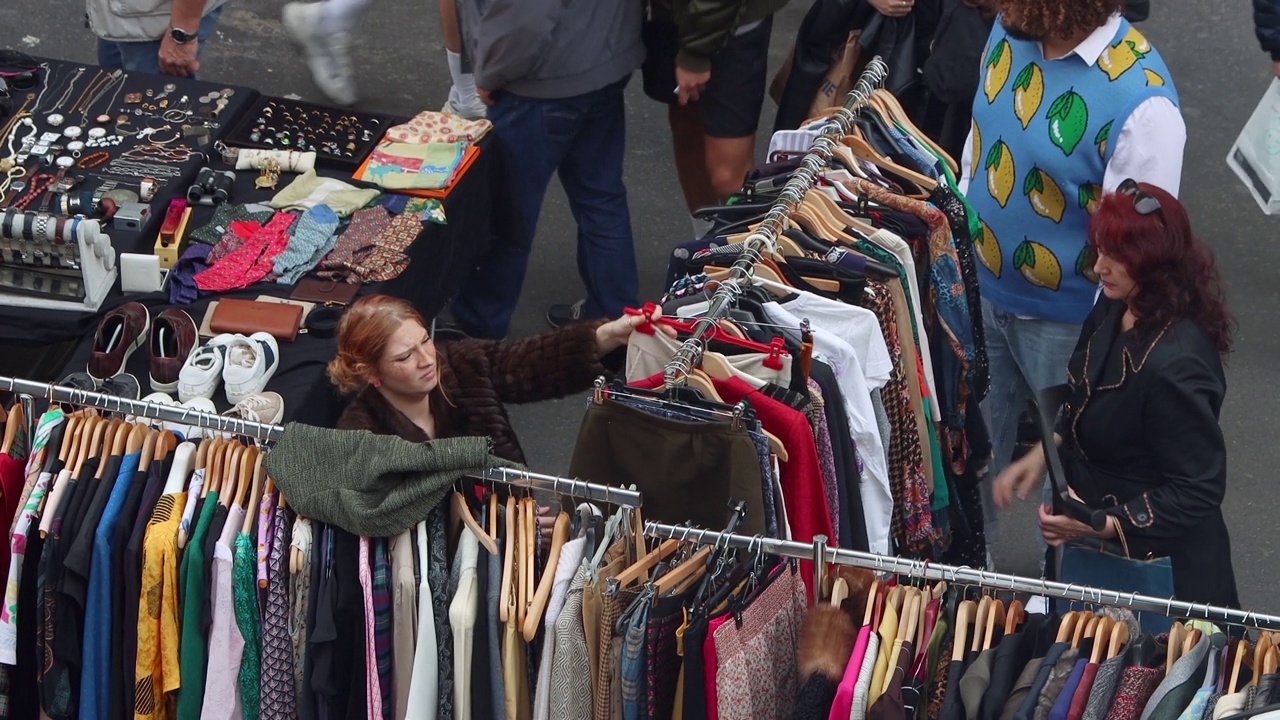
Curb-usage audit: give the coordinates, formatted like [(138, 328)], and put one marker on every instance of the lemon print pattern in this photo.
[(1068, 118), (1028, 93), (1153, 78), (1101, 140), (1084, 264), (976, 152), (1135, 40), (1044, 195), (1038, 265), (988, 249), (999, 63), (1117, 59), (1000, 172), (1089, 196)]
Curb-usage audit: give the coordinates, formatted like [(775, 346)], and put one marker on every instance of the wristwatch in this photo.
[(180, 36)]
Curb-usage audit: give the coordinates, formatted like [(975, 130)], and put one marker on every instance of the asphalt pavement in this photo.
[(1220, 75)]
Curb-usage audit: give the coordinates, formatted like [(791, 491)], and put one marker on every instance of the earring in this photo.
[(377, 383)]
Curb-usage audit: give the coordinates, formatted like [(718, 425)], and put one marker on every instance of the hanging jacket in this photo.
[(1266, 25)]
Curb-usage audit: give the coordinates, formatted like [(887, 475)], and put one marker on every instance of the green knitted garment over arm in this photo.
[(367, 484)]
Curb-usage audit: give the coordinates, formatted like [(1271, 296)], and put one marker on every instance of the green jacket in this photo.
[(705, 26)]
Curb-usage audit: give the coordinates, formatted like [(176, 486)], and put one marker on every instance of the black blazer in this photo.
[(1141, 438)]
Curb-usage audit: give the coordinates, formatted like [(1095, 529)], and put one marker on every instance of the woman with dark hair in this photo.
[(1140, 435)]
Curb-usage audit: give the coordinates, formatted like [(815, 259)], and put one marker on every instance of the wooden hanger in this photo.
[(1241, 650), (1271, 660), (137, 438), (213, 466), (839, 591), (69, 436), (538, 604), (202, 455), (699, 381), (165, 444), (1260, 651), (148, 449), (1100, 638), (980, 623), (11, 426), (253, 487), (1067, 626), (964, 616), (716, 365), (694, 566), (897, 114), (995, 619), (1176, 633), (641, 568), (1014, 617), (1082, 624), (508, 560), (463, 511), (1192, 637), (1119, 638), (231, 472), (528, 539), (863, 150), (821, 204)]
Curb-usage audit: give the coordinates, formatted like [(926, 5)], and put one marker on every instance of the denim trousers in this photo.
[(144, 56), (580, 139), (1026, 354)]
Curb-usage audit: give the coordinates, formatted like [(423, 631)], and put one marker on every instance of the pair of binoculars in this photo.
[(212, 187)]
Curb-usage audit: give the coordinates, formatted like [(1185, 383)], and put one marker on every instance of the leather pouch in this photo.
[(281, 320), (325, 292)]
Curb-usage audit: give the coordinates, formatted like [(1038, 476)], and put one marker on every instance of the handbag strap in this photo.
[(1045, 405)]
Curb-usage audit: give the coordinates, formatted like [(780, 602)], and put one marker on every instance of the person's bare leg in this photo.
[(728, 162)]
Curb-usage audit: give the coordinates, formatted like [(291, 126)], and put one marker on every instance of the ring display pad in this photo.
[(25, 285)]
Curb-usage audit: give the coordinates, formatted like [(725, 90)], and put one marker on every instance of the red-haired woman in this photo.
[(1140, 436)]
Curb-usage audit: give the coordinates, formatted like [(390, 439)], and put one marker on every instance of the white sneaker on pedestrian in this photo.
[(251, 361), (328, 53), (265, 407), (202, 370), (471, 109)]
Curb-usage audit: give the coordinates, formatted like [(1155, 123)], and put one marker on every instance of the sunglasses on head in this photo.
[(1143, 202)]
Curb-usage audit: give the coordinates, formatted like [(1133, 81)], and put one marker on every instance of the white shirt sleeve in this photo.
[(1149, 147)]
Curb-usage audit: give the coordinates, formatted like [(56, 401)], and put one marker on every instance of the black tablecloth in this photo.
[(478, 208)]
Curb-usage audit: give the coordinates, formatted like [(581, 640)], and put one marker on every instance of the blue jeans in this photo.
[(581, 139), (1025, 355), (144, 56)]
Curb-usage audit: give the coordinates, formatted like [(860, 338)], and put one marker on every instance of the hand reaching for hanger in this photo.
[(1019, 478), (616, 333), (893, 8)]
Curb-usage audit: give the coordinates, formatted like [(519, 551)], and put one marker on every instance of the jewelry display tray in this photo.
[(375, 123)]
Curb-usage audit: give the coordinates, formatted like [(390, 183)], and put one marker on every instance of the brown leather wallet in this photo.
[(325, 292), (247, 316)]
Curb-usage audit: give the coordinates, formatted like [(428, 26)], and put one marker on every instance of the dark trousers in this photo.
[(581, 139), (685, 471)]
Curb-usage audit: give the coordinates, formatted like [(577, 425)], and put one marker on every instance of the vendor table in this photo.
[(477, 208)]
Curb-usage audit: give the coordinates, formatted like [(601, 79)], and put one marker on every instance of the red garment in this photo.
[(12, 477), (252, 261), (803, 494), (711, 665), (1081, 699)]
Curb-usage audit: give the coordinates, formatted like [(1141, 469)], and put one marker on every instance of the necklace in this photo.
[(117, 82), (71, 85), (48, 80), (92, 87)]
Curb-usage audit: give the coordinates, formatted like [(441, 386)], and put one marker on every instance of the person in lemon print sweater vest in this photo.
[(1073, 101)]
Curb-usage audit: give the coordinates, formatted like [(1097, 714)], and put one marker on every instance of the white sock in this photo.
[(342, 15), (464, 83), (700, 227)]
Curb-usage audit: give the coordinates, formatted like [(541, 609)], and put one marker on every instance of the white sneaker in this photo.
[(194, 431), (471, 109), (251, 361), (200, 373), (266, 407), (328, 53)]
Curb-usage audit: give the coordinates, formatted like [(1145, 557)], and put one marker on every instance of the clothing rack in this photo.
[(821, 555), (766, 235), (272, 433)]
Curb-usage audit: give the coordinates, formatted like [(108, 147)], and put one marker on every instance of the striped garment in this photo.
[(382, 621)]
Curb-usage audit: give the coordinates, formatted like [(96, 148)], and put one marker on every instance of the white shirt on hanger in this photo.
[(877, 498)]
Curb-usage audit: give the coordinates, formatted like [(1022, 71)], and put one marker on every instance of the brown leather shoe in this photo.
[(121, 331), (173, 339)]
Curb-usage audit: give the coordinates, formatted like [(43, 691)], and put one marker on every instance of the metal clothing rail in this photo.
[(821, 554), (154, 411), (274, 433), (569, 486), (765, 236)]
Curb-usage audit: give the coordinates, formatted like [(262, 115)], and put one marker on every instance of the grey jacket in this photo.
[(551, 49)]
